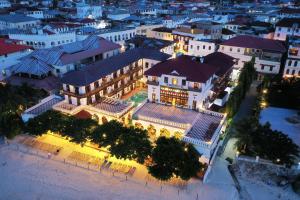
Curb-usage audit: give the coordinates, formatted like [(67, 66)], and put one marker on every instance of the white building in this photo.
[(88, 11), (287, 27), (161, 33), (118, 35), (5, 4), (45, 39), (267, 53), (174, 21), (17, 21), (201, 48), (292, 64), (10, 53)]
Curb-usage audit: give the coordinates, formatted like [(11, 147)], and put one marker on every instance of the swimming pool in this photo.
[(138, 97)]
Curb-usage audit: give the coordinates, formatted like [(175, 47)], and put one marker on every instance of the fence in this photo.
[(149, 181)]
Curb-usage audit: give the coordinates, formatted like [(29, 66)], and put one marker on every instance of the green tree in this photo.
[(171, 157)]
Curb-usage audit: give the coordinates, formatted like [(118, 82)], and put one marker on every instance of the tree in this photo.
[(171, 157), (260, 140), (123, 142)]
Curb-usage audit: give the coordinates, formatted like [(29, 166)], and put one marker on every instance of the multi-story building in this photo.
[(62, 59), (10, 53), (292, 64), (88, 11), (17, 21), (267, 53), (161, 33), (198, 31), (186, 81), (201, 48), (287, 27), (112, 77), (5, 4), (43, 38)]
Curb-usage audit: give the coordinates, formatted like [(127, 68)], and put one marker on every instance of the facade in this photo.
[(17, 21), (287, 27), (43, 39), (188, 82), (5, 4), (292, 64), (88, 11), (267, 53), (161, 33), (112, 77), (201, 48)]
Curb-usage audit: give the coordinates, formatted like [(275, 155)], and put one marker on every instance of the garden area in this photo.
[(164, 158)]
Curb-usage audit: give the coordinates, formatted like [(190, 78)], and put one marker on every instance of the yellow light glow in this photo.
[(265, 91)]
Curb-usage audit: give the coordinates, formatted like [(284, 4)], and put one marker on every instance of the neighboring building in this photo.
[(43, 38), (62, 59), (287, 27), (117, 35), (174, 21), (198, 31), (267, 53), (201, 48), (161, 33), (227, 34), (10, 53), (292, 64), (17, 21), (88, 11), (5, 4)]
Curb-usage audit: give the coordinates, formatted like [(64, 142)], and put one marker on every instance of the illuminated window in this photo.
[(174, 81)]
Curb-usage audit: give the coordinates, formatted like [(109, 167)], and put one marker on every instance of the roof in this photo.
[(226, 31), (288, 22), (16, 18), (221, 61), (163, 29), (97, 70), (203, 124), (83, 115), (185, 66), (247, 41), (152, 43), (8, 46)]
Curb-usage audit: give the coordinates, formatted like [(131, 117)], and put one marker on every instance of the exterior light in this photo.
[(185, 149), (265, 91), (104, 135), (278, 160)]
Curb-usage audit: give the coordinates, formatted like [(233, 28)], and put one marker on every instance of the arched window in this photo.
[(104, 120), (164, 133)]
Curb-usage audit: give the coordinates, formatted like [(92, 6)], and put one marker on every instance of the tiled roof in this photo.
[(8, 46), (185, 66), (247, 41), (222, 62), (99, 69)]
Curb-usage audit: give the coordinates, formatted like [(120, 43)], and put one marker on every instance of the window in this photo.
[(262, 67), (230, 49), (146, 65), (287, 71), (209, 48), (57, 71), (197, 47), (191, 46), (271, 68), (278, 34), (238, 50), (203, 46), (295, 63), (290, 63), (96, 84), (196, 85), (183, 82), (166, 79), (293, 72), (174, 81)]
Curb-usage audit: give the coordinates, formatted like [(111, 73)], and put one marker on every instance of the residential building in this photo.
[(161, 33), (43, 38), (201, 48), (88, 11), (5, 4), (267, 53), (292, 64), (287, 27), (17, 21)]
